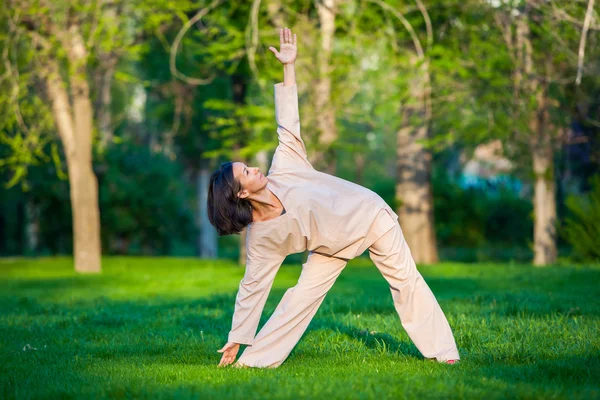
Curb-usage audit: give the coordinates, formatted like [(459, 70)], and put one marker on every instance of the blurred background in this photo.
[(477, 120)]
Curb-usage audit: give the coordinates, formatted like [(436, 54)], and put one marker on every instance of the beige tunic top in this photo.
[(324, 214)]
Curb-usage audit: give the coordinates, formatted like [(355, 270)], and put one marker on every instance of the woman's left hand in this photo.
[(287, 47), (229, 351)]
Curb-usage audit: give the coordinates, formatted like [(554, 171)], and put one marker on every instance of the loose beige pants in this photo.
[(419, 311)]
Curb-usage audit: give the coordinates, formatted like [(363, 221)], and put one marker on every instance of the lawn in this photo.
[(150, 328)]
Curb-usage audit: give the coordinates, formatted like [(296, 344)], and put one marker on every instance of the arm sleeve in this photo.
[(252, 295), (291, 151)]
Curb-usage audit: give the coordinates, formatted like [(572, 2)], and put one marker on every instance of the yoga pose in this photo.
[(296, 208)]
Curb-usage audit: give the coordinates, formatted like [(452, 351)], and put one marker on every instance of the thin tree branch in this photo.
[(177, 41), (586, 26), (252, 41), (427, 24), (14, 75), (562, 15), (95, 18), (407, 25)]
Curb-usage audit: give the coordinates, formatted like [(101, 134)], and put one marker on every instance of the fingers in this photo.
[(274, 50), (229, 353), (285, 36), (224, 361), (227, 359)]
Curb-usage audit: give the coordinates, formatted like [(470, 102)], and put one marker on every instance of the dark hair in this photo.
[(226, 211)]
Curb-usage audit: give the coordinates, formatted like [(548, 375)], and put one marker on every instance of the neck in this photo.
[(264, 202)]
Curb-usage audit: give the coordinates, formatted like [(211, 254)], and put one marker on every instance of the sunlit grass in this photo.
[(150, 327)]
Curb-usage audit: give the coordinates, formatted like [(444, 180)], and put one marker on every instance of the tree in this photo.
[(541, 43), (54, 34), (413, 161), (324, 108), (67, 53)]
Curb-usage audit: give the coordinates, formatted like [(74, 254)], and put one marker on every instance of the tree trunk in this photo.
[(105, 100), (84, 185), (413, 187), (108, 63), (85, 214), (323, 157), (183, 98), (32, 218), (544, 231), (274, 11), (75, 130), (207, 243), (278, 19), (544, 204)]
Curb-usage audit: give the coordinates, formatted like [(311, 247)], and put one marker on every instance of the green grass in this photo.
[(150, 328)]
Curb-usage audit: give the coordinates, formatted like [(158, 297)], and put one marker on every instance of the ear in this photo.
[(243, 194)]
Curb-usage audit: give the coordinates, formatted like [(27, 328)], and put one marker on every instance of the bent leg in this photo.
[(420, 314), (294, 312)]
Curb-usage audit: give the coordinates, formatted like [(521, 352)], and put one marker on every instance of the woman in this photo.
[(296, 208)]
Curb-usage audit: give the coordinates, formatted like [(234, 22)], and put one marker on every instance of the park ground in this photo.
[(151, 327)]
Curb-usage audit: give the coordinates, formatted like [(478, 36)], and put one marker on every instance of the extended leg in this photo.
[(420, 314), (292, 316)]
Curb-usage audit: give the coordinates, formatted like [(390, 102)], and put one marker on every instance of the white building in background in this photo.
[(488, 168)]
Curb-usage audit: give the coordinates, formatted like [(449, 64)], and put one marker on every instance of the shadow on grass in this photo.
[(158, 318), (162, 322), (370, 339), (84, 300)]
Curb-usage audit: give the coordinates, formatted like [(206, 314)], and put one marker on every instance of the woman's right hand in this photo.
[(287, 47), (229, 351)]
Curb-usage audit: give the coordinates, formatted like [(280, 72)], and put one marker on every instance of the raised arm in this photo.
[(291, 151)]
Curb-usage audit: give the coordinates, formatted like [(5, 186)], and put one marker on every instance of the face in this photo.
[(250, 178)]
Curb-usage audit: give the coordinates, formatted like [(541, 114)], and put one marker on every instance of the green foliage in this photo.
[(474, 217), (232, 124), (473, 100), (582, 227), (26, 125), (143, 202)]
